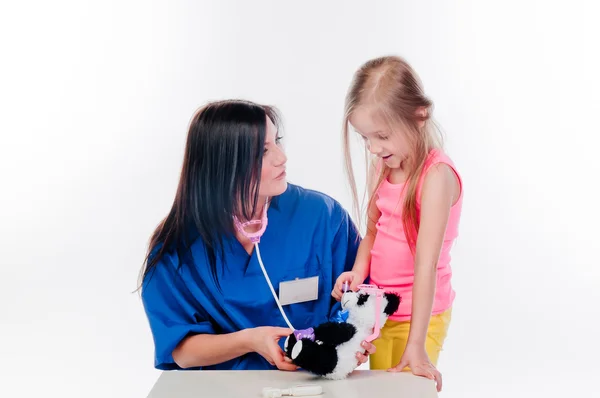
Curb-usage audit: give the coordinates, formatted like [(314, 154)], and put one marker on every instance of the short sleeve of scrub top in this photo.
[(308, 235)]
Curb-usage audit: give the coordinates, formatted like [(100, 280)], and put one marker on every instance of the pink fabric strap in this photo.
[(378, 294)]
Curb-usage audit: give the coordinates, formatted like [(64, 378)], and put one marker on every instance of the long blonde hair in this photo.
[(391, 87)]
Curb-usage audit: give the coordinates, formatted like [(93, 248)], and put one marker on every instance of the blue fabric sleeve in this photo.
[(344, 249), (172, 312)]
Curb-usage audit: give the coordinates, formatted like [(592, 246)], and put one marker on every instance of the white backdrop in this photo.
[(96, 98)]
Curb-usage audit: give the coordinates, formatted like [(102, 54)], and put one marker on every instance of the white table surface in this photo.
[(249, 384)]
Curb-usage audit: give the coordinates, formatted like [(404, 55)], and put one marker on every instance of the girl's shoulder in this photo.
[(437, 156), (438, 159)]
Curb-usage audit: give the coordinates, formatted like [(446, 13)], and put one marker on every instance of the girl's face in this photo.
[(273, 177), (391, 146)]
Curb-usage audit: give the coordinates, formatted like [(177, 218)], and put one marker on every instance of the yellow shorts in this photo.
[(391, 342)]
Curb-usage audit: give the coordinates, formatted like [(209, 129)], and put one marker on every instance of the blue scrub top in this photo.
[(308, 234)]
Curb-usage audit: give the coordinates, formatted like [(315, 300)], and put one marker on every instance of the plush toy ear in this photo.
[(393, 303)]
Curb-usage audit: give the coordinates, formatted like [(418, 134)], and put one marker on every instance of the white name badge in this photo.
[(299, 290)]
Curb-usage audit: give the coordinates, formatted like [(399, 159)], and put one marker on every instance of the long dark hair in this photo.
[(219, 179)]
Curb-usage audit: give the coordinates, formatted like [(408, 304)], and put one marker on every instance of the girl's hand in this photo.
[(416, 358), (264, 340), (353, 279)]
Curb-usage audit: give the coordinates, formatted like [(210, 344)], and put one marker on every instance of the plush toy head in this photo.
[(363, 308), (329, 349)]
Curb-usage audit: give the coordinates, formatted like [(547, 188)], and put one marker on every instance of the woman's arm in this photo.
[(183, 332), (210, 349)]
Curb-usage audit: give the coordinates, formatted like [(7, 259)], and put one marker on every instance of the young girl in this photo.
[(412, 216)]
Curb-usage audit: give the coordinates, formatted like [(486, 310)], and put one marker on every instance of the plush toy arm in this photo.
[(334, 333)]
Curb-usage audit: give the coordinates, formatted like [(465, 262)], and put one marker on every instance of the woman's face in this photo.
[(273, 177)]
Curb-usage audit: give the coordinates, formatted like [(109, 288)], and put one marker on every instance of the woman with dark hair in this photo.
[(205, 294)]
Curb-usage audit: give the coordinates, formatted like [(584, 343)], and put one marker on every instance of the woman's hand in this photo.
[(264, 340), (353, 279), (416, 358), (362, 357)]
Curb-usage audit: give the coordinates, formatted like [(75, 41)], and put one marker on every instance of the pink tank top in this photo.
[(392, 264)]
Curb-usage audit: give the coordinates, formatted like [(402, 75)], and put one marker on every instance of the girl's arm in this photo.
[(440, 192), (363, 256), (362, 262)]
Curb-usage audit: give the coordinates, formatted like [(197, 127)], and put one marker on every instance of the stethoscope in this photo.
[(254, 237)]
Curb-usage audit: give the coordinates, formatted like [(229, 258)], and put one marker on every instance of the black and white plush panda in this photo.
[(329, 350)]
